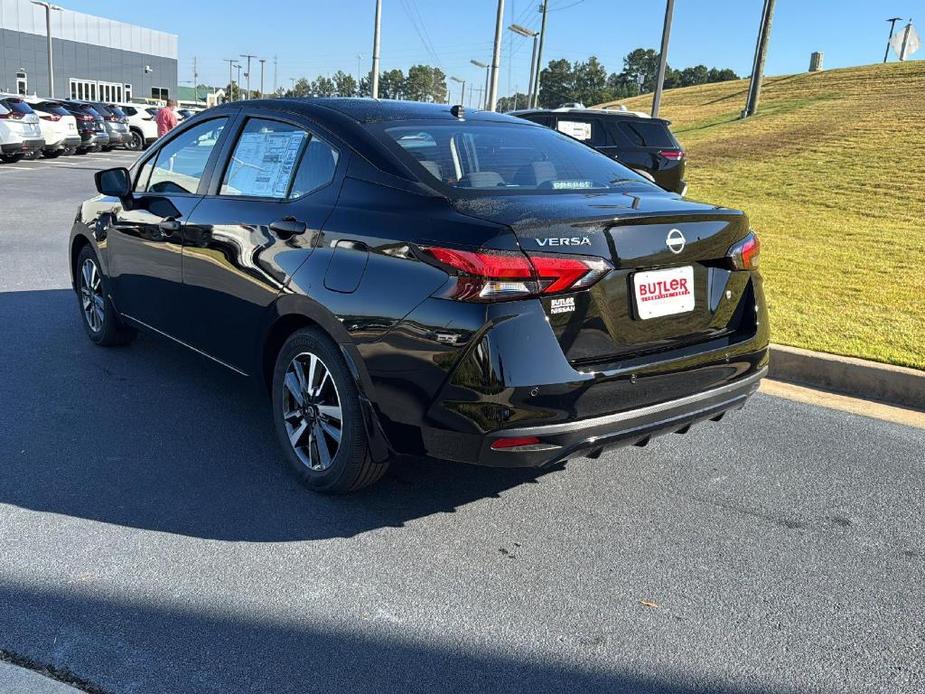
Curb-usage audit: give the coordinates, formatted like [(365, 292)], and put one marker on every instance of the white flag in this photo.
[(911, 38)]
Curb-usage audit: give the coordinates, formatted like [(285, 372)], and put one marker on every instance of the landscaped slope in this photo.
[(832, 174)]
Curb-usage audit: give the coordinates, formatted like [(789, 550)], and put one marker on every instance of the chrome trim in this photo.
[(566, 427), (181, 342)]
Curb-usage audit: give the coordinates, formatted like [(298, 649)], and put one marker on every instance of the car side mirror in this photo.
[(116, 183)]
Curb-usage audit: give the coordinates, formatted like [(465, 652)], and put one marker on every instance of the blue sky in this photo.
[(314, 37)]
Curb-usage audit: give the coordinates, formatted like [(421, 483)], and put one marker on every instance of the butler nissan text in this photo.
[(414, 279)]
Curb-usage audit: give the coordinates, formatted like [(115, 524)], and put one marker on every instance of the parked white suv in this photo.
[(59, 127), (20, 132), (142, 127)]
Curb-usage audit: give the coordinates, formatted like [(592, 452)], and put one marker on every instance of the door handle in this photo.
[(169, 227), (287, 227)]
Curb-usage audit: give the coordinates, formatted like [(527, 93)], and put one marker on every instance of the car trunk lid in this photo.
[(671, 285)]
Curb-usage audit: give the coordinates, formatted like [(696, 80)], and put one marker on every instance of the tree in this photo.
[(392, 85), (590, 82), (699, 74), (724, 75), (642, 62), (365, 88), (512, 103), (323, 86), (302, 87), (425, 83), (557, 84), (345, 84)]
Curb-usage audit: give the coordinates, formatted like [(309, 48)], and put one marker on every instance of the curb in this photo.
[(14, 678), (894, 385)]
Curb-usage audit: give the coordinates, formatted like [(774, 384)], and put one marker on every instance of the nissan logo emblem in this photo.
[(675, 241)]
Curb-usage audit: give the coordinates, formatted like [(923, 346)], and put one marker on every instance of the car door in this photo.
[(144, 239), (260, 221)]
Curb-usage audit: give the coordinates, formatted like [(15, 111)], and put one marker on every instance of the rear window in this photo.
[(116, 111), (57, 109), (505, 157), (648, 134), (17, 106)]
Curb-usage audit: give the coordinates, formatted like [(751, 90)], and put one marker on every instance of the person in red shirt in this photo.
[(166, 118)]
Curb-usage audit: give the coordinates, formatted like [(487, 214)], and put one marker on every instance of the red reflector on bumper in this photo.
[(503, 444)]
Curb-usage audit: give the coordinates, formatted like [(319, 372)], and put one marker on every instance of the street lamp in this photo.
[(51, 67), (482, 65), (462, 97), (526, 33)]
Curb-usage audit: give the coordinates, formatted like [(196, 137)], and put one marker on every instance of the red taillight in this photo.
[(12, 115), (514, 442), (672, 154), (499, 275), (85, 117), (50, 116), (745, 254)]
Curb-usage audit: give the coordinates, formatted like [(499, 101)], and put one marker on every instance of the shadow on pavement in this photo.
[(120, 645), (153, 436)]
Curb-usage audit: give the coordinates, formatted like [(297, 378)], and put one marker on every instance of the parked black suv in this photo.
[(408, 278), (90, 125), (643, 144)]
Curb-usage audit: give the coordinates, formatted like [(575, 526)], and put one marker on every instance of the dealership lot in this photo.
[(150, 539)]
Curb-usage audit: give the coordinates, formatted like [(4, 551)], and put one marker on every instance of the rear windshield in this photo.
[(648, 134), (506, 157), (57, 109), (17, 105), (116, 111)]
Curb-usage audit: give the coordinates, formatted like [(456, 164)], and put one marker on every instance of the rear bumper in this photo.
[(559, 442), (22, 147)]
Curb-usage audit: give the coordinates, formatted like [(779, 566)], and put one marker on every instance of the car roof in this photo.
[(365, 111), (610, 112)]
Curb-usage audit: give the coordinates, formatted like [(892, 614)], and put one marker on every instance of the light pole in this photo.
[(262, 61), (892, 21), (51, 63), (485, 67), (374, 87), (539, 57), (248, 73), (237, 67), (462, 96), (495, 59), (761, 52), (231, 63), (663, 58), (526, 33)]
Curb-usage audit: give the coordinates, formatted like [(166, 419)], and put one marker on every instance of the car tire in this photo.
[(52, 155), (82, 152), (311, 386), (102, 323), (12, 158), (136, 143)]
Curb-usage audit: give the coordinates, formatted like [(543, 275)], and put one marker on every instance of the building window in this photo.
[(128, 92), (159, 93), (22, 83)]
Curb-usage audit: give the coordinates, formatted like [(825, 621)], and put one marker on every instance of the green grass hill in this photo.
[(832, 175)]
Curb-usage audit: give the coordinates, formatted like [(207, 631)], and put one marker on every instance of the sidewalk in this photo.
[(20, 680)]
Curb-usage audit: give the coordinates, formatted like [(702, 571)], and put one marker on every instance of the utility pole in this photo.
[(262, 61), (902, 51), (238, 68), (359, 68), (495, 60), (662, 58), (231, 63), (539, 57), (49, 8), (761, 53), (248, 73), (892, 21), (374, 87), (195, 81), (275, 87)]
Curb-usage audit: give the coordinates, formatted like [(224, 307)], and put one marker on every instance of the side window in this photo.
[(264, 159), (181, 162), (316, 168), (579, 129)]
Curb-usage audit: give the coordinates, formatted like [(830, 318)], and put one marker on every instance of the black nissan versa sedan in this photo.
[(413, 279)]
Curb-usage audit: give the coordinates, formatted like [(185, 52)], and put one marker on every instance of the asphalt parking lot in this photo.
[(151, 540)]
